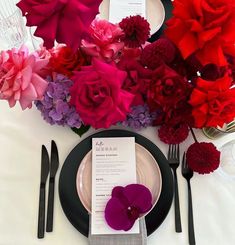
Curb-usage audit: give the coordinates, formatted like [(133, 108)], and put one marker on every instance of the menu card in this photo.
[(119, 9), (113, 164)]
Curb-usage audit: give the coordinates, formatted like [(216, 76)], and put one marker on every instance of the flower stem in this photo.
[(194, 137)]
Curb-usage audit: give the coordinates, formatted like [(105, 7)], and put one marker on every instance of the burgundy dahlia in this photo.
[(203, 157), (157, 53), (173, 134), (136, 30)]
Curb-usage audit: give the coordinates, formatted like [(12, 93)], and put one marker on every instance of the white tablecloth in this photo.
[(21, 137)]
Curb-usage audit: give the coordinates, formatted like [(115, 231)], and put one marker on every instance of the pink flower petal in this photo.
[(26, 77), (27, 96), (39, 84)]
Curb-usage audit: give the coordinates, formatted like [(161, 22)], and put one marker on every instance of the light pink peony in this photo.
[(19, 77), (98, 96), (65, 21), (104, 40)]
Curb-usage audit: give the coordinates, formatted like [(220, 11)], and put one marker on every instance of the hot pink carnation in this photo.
[(98, 95), (105, 40), (65, 21), (19, 77)]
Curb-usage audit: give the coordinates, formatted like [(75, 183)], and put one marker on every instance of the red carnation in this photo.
[(136, 29), (203, 157), (173, 134), (157, 53), (213, 102)]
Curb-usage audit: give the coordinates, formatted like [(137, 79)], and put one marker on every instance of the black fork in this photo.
[(188, 174), (174, 161)]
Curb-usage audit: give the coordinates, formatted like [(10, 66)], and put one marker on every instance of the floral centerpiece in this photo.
[(101, 74)]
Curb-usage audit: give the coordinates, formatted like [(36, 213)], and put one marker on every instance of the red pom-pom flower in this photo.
[(173, 134), (157, 53), (203, 157), (136, 29)]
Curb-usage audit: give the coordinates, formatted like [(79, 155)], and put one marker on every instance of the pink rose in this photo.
[(65, 21), (104, 40), (98, 95), (19, 77)]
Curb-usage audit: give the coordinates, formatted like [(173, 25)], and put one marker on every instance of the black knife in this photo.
[(44, 174), (53, 169)]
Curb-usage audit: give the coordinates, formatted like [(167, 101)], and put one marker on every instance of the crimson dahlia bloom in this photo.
[(136, 30), (157, 53), (173, 134), (203, 157)]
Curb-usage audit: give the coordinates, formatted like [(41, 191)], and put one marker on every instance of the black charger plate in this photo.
[(71, 204)]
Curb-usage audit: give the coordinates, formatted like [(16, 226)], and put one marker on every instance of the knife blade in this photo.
[(43, 179), (53, 170)]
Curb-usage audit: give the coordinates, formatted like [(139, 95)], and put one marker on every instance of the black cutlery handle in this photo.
[(50, 206), (178, 227), (190, 217), (41, 213)]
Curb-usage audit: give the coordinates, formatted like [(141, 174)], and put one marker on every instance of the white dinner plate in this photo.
[(155, 13)]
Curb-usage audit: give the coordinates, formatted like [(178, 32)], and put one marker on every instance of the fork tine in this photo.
[(183, 162), (174, 152), (178, 152), (169, 152)]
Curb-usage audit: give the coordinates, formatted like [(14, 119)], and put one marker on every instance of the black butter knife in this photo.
[(53, 169), (44, 174)]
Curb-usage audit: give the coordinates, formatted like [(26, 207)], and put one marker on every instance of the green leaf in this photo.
[(82, 130)]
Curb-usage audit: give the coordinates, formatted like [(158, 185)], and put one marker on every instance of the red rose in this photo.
[(137, 79), (167, 91), (98, 95), (213, 102), (64, 61), (65, 21), (203, 27)]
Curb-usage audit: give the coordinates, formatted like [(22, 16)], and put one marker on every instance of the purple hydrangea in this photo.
[(139, 117), (54, 107)]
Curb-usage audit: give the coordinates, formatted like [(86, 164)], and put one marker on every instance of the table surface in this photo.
[(21, 137)]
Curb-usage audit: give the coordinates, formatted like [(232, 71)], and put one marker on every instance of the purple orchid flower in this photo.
[(126, 206)]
